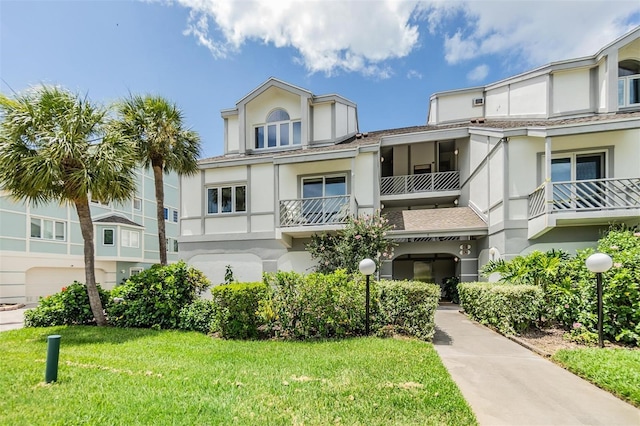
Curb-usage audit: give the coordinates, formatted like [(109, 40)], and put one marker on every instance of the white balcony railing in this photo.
[(427, 182), (585, 195), (629, 90), (315, 211)]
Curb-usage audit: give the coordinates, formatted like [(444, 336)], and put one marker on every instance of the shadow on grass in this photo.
[(85, 334)]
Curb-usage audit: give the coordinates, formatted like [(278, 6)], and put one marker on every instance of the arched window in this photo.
[(278, 131), (628, 83)]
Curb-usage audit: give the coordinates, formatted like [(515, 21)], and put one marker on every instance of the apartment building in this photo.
[(42, 250), (545, 159)]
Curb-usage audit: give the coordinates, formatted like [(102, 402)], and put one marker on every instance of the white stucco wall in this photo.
[(571, 91), (246, 267), (225, 175), (352, 113), (296, 261), (261, 188), (233, 134), (630, 51), (458, 106), (322, 122), (496, 177), (364, 178), (497, 102), (602, 85), (342, 120), (522, 173), (191, 196), (529, 97), (229, 224)]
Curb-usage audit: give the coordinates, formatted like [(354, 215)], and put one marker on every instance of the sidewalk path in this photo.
[(12, 319), (506, 384)]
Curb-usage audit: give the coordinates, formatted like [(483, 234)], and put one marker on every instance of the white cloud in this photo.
[(479, 73), (328, 35), (363, 36), (532, 32), (414, 74)]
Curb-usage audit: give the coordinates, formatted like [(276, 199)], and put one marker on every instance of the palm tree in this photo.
[(56, 147), (156, 127)]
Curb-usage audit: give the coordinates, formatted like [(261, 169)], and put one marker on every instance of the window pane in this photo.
[(259, 137), (284, 134), (278, 115), (297, 132), (137, 204), (124, 238), (60, 234), (271, 130), (226, 200), (48, 230), (166, 213), (107, 237), (175, 245), (212, 200), (588, 167), (634, 91), (560, 169), (241, 198), (175, 216), (135, 236), (335, 186), (312, 188), (36, 231), (620, 91)]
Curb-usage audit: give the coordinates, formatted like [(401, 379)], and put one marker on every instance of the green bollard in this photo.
[(53, 352)]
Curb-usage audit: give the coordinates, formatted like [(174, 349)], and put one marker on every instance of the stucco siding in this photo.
[(261, 188), (263, 223), (342, 119), (192, 197), (225, 224), (528, 97), (497, 102), (365, 179), (458, 106), (233, 134), (322, 122), (225, 175), (257, 110), (571, 91)]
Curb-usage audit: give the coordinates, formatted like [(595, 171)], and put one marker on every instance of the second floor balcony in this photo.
[(592, 201), (315, 211), (420, 186)]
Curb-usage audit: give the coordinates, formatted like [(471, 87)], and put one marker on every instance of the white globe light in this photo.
[(599, 262), (367, 266)]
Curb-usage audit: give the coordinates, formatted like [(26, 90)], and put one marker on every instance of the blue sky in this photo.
[(386, 56)]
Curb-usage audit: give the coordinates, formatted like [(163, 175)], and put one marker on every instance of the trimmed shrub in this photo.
[(408, 307), (235, 308), (313, 306), (198, 316), (154, 297), (511, 309), (69, 306)]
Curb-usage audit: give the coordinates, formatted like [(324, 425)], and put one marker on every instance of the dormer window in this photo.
[(278, 131), (628, 83)]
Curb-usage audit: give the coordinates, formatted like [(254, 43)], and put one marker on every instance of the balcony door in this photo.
[(324, 197), (567, 172)]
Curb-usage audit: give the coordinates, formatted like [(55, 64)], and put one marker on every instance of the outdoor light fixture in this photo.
[(367, 267), (599, 263)]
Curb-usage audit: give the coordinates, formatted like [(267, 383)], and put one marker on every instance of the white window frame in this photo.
[(135, 270), (626, 85), (113, 237), (137, 200), (573, 156), (126, 239), (172, 245), (277, 124), (54, 230), (219, 188)]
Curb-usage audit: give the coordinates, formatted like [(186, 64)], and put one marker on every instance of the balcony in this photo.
[(304, 217), (432, 186), (583, 202)]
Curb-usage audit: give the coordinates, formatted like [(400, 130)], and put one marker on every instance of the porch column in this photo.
[(548, 188)]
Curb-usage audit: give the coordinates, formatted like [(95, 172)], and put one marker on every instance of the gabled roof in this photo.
[(274, 82), (117, 219)]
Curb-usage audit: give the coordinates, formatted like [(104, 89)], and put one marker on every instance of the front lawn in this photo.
[(616, 370), (113, 376)]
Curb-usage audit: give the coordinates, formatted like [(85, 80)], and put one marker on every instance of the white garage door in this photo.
[(42, 282)]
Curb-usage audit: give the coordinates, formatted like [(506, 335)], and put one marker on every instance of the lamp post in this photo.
[(599, 263), (367, 267)]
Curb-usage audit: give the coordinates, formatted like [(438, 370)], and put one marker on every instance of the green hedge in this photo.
[(313, 306), (408, 307), (509, 308), (154, 297), (197, 316), (69, 306), (235, 308)]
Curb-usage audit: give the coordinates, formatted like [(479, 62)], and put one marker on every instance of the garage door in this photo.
[(42, 282)]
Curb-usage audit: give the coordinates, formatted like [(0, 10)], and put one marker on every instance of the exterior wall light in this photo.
[(599, 263), (367, 267)]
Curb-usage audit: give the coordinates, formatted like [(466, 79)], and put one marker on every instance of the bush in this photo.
[(235, 309), (313, 306), (409, 307), (69, 306), (509, 308), (198, 316), (155, 297)]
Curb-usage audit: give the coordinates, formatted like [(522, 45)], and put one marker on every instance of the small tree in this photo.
[(362, 237)]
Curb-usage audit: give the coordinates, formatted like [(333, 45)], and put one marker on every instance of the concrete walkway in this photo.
[(506, 384), (13, 319)]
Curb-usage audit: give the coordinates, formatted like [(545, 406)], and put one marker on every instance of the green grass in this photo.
[(111, 376), (615, 370)]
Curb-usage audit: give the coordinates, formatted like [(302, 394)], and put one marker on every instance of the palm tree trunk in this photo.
[(162, 233), (86, 227)]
